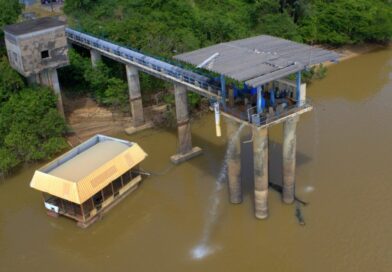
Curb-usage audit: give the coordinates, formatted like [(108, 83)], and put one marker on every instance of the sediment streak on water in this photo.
[(204, 248)]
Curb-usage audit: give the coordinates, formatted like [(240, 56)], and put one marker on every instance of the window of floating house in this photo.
[(126, 177), (98, 199), (87, 207), (45, 54), (117, 185), (107, 191), (78, 210), (69, 207)]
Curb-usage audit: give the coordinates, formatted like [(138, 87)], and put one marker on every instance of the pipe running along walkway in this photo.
[(195, 82)]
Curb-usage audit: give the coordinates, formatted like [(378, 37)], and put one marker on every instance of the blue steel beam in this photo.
[(259, 99), (223, 90), (298, 93)]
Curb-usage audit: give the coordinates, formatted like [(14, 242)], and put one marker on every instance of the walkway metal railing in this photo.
[(161, 69), (264, 118)]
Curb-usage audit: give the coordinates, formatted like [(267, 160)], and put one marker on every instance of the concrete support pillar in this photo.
[(289, 154), (234, 162), (185, 150), (95, 57), (32, 80), (135, 97), (50, 78), (260, 153)]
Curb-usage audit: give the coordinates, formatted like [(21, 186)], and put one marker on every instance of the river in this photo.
[(344, 170)]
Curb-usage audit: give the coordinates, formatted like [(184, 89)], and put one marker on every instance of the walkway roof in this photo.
[(86, 169), (258, 60)]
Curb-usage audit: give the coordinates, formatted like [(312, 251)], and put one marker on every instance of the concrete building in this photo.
[(36, 49), (88, 180)]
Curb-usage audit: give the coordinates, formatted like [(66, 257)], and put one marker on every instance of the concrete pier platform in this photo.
[(179, 158), (132, 130)]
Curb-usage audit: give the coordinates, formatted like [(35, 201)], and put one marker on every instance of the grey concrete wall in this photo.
[(27, 50)]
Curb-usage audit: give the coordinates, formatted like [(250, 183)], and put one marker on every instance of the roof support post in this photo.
[(223, 90), (298, 91), (259, 100)]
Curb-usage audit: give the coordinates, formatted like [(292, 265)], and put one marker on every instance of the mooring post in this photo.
[(185, 150), (234, 162), (95, 57), (289, 154), (50, 79), (260, 153), (135, 97)]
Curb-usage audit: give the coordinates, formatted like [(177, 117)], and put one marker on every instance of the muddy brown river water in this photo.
[(344, 170)]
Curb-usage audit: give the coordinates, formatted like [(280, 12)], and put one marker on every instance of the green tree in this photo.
[(30, 128), (9, 11), (10, 81), (116, 93)]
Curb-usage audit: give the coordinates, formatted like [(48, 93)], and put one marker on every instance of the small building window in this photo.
[(45, 54)]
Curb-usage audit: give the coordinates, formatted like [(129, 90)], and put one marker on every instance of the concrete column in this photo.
[(50, 78), (95, 57), (32, 80), (302, 97), (234, 162), (289, 154), (260, 153), (135, 97), (184, 127), (185, 150)]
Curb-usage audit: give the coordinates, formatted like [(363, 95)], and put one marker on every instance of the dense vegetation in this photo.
[(164, 27), (30, 127), (168, 27)]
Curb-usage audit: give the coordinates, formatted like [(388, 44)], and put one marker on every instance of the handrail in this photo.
[(265, 117), (200, 83)]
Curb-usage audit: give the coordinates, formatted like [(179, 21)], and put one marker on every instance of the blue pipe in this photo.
[(298, 80), (259, 100), (223, 90), (272, 97)]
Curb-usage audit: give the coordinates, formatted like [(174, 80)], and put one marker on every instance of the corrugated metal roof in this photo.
[(66, 178), (260, 59)]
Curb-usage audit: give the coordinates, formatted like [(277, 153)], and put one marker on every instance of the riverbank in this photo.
[(347, 52)]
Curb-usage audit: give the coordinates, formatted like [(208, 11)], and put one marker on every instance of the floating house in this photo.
[(88, 180)]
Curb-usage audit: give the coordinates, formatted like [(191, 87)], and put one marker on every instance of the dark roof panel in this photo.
[(33, 25)]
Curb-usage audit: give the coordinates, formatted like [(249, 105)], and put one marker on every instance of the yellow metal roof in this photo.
[(83, 171)]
